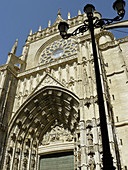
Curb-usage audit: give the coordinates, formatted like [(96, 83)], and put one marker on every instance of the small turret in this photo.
[(59, 13), (79, 12), (49, 23), (69, 16), (39, 28), (30, 32)]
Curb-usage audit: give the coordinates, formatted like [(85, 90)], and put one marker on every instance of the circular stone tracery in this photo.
[(58, 49)]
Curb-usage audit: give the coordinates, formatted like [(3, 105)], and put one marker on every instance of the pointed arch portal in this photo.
[(46, 108)]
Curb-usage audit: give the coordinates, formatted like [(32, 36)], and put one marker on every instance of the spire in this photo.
[(30, 32), (39, 28), (14, 48), (59, 13), (69, 16), (49, 23), (79, 12)]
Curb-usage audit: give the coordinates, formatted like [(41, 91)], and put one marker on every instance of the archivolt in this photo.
[(35, 117)]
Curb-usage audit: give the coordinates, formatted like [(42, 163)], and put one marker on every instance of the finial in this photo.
[(14, 48), (59, 12), (79, 12), (69, 16), (39, 28), (30, 32), (49, 23)]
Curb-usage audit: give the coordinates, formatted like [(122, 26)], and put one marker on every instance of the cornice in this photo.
[(122, 123), (108, 45), (113, 43), (3, 67), (53, 148), (122, 40), (114, 73)]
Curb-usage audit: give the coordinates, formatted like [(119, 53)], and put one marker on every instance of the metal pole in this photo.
[(107, 158)]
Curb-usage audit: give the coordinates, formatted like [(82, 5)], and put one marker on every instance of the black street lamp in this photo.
[(89, 24)]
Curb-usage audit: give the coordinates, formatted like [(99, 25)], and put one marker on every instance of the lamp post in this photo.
[(89, 24)]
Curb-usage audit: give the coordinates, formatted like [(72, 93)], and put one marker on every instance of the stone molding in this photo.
[(57, 147)]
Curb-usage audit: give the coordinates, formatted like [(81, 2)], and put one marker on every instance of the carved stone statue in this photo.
[(25, 161), (8, 158), (90, 137), (92, 164), (32, 163), (57, 134), (16, 161)]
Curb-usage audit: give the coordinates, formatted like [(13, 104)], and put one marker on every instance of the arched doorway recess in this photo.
[(50, 107)]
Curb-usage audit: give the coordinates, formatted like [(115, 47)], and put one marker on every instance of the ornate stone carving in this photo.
[(84, 61), (8, 159), (89, 101), (71, 81), (19, 139), (27, 141), (90, 138), (92, 164), (89, 124), (32, 162), (13, 136), (57, 134), (16, 162), (65, 48), (10, 150), (47, 80), (26, 152), (25, 162), (18, 150)]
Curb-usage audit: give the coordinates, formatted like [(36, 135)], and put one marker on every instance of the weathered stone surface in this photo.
[(49, 103)]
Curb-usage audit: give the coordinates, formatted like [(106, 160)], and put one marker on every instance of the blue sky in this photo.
[(18, 17)]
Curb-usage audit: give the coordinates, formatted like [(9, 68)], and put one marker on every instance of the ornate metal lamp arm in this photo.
[(100, 23)]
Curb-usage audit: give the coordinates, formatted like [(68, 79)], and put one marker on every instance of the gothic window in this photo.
[(57, 49), (57, 161)]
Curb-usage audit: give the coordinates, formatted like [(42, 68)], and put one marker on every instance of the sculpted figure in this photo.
[(25, 161), (33, 162), (16, 161), (8, 162), (92, 163), (90, 138)]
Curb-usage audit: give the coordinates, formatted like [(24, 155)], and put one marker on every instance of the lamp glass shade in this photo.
[(63, 28), (118, 6), (89, 9)]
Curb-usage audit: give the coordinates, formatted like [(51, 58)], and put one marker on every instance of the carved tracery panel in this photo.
[(58, 49)]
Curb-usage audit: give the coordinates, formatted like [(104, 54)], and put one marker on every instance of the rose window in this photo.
[(58, 49)]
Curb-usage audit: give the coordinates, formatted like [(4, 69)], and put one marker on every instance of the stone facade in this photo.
[(48, 99)]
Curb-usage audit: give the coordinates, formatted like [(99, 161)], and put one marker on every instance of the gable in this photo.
[(47, 80)]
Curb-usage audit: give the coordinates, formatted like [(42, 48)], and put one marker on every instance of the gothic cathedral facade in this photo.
[(49, 118)]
